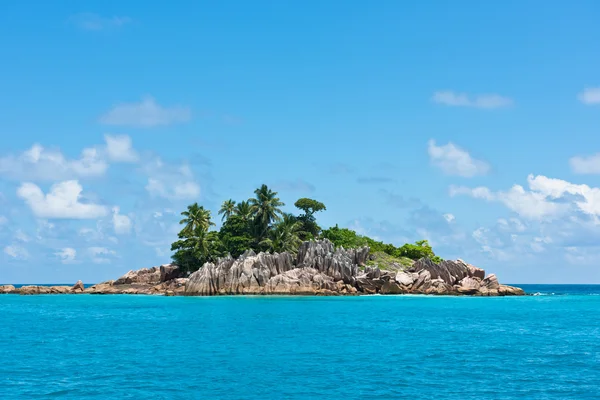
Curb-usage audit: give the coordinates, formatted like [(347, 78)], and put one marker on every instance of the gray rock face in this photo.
[(339, 263), (316, 269), (319, 268), (248, 274), (300, 281)]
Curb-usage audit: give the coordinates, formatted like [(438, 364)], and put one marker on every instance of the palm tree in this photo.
[(285, 236), (265, 207), (244, 210), (227, 209), (196, 217)]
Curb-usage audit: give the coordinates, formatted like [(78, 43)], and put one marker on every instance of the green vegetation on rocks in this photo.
[(259, 224)]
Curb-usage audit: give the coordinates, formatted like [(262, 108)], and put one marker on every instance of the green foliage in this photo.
[(416, 251), (344, 237), (388, 262), (196, 217), (265, 210), (285, 235), (195, 248), (236, 236), (310, 228), (309, 206), (227, 209), (243, 209), (347, 238), (261, 225)]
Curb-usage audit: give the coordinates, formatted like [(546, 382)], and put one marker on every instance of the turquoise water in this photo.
[(376, 347)]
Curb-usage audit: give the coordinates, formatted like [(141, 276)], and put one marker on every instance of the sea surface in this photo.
[(545, 346)]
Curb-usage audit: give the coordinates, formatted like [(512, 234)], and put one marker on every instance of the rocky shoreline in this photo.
[(317, 269)]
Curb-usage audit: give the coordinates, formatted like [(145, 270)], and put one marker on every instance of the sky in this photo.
[(471, 124)]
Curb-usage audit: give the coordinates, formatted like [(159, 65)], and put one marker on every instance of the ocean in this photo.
[(545, 346)]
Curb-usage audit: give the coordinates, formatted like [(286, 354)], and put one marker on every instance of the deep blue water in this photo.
[(376, 347)]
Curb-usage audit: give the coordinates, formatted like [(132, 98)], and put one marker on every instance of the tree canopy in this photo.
[(259, 223)]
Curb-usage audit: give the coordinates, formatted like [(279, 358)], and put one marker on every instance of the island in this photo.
[(259, 250)]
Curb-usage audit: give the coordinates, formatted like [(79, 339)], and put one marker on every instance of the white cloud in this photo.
[(145, 114), (120, 149), (590, 96), (67, 255), (62, 201), (485, 101), (453, 160), (171, 182), (16, 252), (101, 255), (585, 164), (121, 223), (39, 163), (547, 198), (95, 22)]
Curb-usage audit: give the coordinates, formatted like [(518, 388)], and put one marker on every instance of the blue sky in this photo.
[(471, 124)]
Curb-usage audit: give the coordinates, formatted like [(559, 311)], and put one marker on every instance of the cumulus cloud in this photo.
[(119, 149), (547, 198), (484, 101), (66, 255), (121, 223), (453, 160), (171, 182), (16, 252), (95, 22), (39, 163), (42, 164), (64, 200), (590, 96), (145, 114)]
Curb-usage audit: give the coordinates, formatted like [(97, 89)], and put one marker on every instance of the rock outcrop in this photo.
[(145, 276), (4, 289), (318, 269)]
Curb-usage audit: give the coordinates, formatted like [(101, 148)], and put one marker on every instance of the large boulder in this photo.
[(469, 285), (491, 282), (300, 281), (78, 287), (4, 289), (148, 276), (404, 278), (451, 272), (169, 272)]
